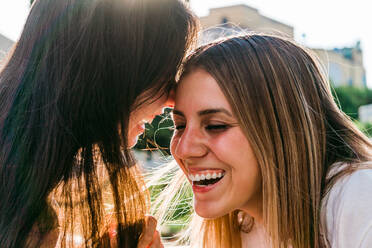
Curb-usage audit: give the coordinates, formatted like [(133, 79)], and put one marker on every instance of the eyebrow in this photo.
[(205, 112)]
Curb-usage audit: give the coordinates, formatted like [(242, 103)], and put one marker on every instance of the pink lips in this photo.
[(205, 189)]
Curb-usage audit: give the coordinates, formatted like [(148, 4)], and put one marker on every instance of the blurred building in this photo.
[(365, 113), (344, 66), (243, 17), (5, 45)]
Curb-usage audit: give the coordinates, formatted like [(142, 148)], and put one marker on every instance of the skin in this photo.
[(208, 138), (150, 237)]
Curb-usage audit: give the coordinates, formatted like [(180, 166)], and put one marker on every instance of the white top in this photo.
[(348, 215), (346, 212)]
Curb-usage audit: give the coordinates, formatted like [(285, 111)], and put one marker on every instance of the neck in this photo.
[(254, 208)]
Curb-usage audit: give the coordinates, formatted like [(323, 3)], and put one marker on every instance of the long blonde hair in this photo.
[(285, 108)]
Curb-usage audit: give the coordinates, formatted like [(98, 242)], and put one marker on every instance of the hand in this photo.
[(150, 237)]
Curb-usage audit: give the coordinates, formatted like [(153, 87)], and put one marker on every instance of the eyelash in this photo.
[(216, 128), (178, 127)]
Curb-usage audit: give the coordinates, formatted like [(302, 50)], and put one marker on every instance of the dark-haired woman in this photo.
[(74, 93)]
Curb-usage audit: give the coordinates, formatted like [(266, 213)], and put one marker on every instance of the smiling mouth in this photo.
[(206, 179)]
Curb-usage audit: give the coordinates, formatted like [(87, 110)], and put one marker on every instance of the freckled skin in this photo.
[(216, 141)]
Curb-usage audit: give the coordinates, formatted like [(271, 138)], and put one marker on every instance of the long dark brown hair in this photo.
[(284, 106), (66, 94)]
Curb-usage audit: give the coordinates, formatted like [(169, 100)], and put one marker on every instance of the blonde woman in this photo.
[(271, 159)]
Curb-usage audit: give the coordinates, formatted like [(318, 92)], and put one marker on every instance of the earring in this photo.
[(245, 221)]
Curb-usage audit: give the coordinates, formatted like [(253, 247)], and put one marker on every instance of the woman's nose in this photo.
[(191, 144)]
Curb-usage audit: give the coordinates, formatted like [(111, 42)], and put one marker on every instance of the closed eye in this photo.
[(179, 127), (217, 127)]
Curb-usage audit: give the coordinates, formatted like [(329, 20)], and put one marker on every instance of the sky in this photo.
[(326, 23)]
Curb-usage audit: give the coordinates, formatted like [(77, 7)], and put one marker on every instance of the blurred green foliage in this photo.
[(365, 127), (157, 135), (350, 98), (179, 211)]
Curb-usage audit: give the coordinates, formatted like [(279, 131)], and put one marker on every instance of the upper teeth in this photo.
[(199, 177)]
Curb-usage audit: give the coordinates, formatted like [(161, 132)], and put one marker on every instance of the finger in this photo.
[(156, 242), (148, 232)]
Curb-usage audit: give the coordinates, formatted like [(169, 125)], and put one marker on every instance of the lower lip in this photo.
[(205, 189)]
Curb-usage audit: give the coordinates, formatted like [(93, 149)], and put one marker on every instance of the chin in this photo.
[(208, 212)]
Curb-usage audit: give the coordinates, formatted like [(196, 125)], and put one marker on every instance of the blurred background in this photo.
[(337, 32)]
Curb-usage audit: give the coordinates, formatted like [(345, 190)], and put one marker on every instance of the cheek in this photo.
[(135, 117), (226, 146), (132, 124), (154, 112), (234, 149)]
